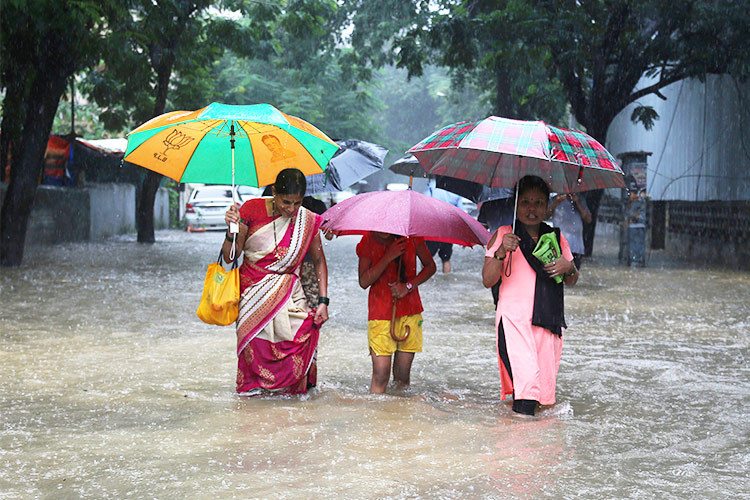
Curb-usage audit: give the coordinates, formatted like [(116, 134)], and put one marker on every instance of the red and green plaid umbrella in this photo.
[(497, 152)]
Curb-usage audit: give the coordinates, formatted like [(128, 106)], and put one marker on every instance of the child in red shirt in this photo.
[(388, 267)]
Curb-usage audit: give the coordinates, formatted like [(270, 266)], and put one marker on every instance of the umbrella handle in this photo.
[(515, 214), (234, 228), (393, 326)]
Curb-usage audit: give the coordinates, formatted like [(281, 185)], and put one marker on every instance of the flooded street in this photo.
[(112, 388)]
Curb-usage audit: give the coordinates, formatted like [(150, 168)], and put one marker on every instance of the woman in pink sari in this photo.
[(277, 333)]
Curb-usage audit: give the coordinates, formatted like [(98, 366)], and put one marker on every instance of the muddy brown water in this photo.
[(110, 387)]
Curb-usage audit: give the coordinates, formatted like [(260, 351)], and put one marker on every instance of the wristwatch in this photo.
[(409, 286)]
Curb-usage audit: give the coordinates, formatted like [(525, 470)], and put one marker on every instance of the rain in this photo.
[(112, 388)]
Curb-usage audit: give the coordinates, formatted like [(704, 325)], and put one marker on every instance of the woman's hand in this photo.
[(232, 215), (559, 267), (321, 314), (509, 244)]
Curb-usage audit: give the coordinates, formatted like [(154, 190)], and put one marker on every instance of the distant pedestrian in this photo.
[(529, 317), (442, 249), (569, 212)]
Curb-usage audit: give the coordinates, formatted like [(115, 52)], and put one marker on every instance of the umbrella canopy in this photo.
[(497, 152), (199, 146), (478, 193), (408, 165), (405, 213), (353, 162)]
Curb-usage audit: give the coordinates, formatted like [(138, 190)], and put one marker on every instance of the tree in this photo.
[(596, 51), (293, 38), (161, 58), (42, 44)]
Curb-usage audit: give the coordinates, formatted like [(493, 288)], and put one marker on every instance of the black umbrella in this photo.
[(478, 193), (353, 162)]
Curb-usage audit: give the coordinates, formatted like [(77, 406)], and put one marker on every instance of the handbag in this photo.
[(221, 294)]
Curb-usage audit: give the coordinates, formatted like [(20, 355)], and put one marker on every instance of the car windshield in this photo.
[(212, 192)]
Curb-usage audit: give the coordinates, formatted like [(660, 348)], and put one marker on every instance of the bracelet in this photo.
[(227, 237), (572, 273), (498, 258), (324, 300)]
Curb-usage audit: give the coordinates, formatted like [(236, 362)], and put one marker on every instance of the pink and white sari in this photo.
[(276, 337)]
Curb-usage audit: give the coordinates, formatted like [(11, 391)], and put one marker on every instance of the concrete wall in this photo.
[(161, 209), (58, 215), (112, 210), (95, 212), (698, 144)]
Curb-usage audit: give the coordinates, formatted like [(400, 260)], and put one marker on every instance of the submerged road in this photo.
[(110, 387)]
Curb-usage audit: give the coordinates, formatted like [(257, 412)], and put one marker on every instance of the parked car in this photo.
[(207, 204), (248, 192)]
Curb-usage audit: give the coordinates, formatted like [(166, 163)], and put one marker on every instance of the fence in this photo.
[(715, 230)]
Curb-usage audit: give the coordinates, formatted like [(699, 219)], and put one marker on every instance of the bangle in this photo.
[(498, 258), (324, 300), (228, 237)]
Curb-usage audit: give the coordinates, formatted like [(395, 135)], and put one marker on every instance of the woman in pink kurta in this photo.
[(529, 318)]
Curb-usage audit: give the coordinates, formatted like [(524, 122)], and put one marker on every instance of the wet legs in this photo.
[(381, 367), (402, 368)]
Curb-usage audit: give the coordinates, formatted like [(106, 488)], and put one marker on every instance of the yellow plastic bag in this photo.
[(221, 295)]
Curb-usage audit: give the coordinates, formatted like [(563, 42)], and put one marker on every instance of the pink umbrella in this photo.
[(405, 213)]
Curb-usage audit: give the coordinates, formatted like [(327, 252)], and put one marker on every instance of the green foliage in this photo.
[(413, 109), (530, 52), (645, 115), (472, 41)]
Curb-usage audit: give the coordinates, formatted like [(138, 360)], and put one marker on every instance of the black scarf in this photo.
[(548, 295)]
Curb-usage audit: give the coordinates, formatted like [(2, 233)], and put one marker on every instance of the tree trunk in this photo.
[(26, 165), (503, 104), (9, 127), (145, 214)]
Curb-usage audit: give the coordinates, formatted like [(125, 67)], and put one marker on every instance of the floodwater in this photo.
[(111, 388)]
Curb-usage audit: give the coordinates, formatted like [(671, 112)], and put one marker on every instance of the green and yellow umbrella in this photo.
[(200, 146)]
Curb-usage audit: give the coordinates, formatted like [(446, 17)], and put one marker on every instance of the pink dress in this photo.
[(534, 352)]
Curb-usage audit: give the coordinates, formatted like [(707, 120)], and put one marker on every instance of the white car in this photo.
[(207, 204)]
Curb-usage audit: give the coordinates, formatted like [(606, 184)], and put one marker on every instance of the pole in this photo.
[(234, 228), (72, 108)]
